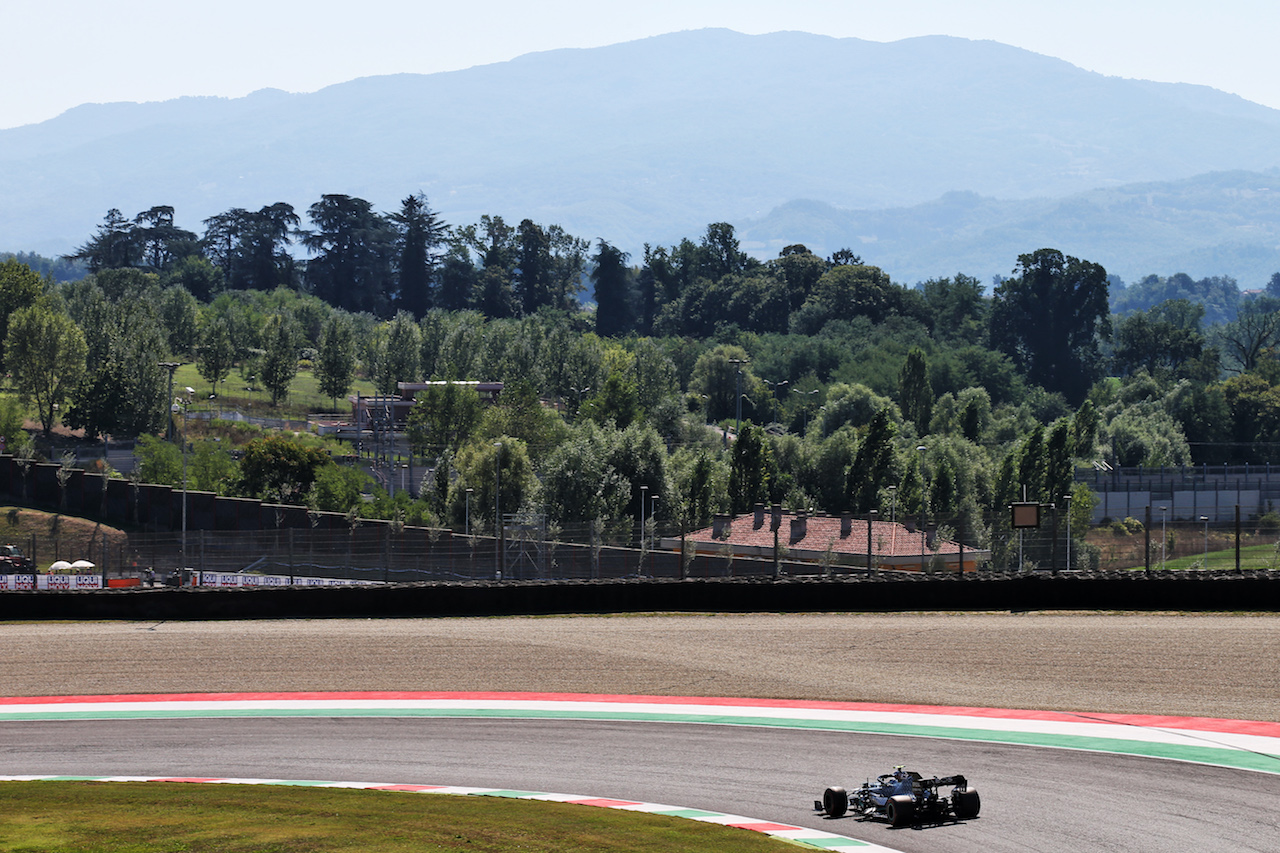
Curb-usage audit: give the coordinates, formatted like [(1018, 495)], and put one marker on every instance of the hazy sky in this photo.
[(57, 54)]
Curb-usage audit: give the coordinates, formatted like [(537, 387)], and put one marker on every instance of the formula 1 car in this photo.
[(903, 797)]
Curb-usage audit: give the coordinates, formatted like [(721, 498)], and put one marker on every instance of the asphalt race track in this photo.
[(1034, 798)]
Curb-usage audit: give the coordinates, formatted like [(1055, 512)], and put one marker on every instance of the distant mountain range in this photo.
[(927, 156)]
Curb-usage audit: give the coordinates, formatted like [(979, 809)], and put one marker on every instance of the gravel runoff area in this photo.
[(1178, 664)]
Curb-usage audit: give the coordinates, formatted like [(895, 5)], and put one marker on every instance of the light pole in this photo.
[(738, 362), (924, 504), (579, 392), (467, 529), (775, 386), (497, 511), (1067, 498), (893, 504), (1164, 537), (804, 404), (653, 516), (1205, 519), (175, 408), (644, 490)]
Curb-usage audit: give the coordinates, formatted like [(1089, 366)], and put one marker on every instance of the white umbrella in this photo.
[(82, 564), (60, 566)]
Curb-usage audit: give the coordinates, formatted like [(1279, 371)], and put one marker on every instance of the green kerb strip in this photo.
[(1219, 756), (691, 813)]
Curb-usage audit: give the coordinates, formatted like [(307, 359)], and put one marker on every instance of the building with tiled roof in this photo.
[(835, 540)]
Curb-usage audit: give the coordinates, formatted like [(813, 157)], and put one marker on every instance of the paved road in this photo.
[(1033, 799)]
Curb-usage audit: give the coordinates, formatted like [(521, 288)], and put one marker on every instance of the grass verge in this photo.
[(160, 817)]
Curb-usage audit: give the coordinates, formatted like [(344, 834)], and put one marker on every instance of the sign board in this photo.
[(1025, 515)]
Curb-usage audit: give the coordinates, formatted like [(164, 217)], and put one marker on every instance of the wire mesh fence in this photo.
[(526, 548)]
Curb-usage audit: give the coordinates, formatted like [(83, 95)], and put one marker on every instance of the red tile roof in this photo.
[(888, 538)]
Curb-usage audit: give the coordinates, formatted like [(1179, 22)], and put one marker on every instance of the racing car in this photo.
[(903, 797)]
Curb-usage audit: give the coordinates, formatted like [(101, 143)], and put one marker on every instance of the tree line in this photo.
[(839, 374)]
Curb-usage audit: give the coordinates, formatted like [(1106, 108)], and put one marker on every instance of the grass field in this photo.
[(159, 817), (251, 398), (59, 537), (1251, 557)]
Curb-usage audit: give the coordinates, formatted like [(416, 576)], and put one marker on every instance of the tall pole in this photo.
[(174, 409), (1205, 519), (924, 503), (1067, 498), (738, 362), (1164, 537), (871, 515), (644, 490), (497, 512)]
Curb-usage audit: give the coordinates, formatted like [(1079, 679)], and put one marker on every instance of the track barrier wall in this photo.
[(1135, 591)]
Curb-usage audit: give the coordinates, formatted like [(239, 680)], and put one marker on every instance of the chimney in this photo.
[(759, 519), (776, 512), (799, 526), (720, 526), (846, 524)]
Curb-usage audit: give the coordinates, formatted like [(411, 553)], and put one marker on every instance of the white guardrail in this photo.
[(235, 579), (70, 583)]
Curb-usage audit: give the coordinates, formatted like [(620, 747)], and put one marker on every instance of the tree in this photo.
[(753, 470), (419, 235), (873, 465), (846, 291), (280, 361), (915, 393), (1049, 319), (1161, 340), (335, 364), (398, 354), (159, 242), (957, 307), (112, 247), (251, 247), (354, 248), (279, 468), (178, 312), (445, 415), (612, 282), (125, 390), (1255, 329), (216, 354), (20, 286), (45, 350)]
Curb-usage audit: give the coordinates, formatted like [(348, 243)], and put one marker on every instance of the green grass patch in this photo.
[(1251, 557), (234, 393), (161, 817)]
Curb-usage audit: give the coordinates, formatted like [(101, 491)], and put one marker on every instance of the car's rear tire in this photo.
[(900, 810), (835, 802), (966, 802)]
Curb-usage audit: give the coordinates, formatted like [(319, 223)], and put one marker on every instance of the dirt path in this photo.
[(1214, 666)]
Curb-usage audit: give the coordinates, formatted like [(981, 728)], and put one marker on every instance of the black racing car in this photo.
[(903, 797)]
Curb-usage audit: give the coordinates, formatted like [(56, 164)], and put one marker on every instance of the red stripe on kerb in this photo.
[(1252, 727), (764, 827)]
